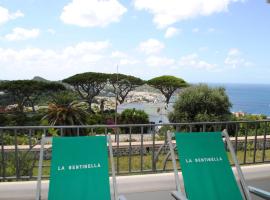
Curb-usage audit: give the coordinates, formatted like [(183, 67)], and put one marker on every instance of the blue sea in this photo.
[(248, 98)]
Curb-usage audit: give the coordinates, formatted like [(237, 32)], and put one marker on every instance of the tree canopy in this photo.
[(167, 85), (26, 92), (123, 84), (133, 116), (201, 103), (65, 110), (88, 85)]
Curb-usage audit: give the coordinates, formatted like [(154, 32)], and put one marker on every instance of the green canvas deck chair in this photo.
[(206, 170), (79, 169)]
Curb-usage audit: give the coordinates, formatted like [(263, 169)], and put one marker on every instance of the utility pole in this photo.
[(116, 96)]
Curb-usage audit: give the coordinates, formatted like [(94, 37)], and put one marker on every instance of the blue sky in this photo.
[(199, 40)]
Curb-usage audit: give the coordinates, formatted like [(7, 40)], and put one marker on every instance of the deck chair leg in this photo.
[(121, 197), (258, 192), (239, 171), (115, 191), (41, 154), (178, 195)]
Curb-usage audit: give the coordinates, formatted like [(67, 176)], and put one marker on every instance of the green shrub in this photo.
[(201, 103), (26, 163), (133, 116)]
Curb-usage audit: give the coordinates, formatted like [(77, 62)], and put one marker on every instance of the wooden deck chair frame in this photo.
[(45, 140), (244, 188)]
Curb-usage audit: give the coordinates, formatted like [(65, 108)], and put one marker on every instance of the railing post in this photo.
[(255, 143), (61, 132), (78, 131), (17, 165), (117, 161), (166, 139), (190, 128), (245, 147), (153, 151), (236, 139), (3, 155), (264, 142), (106, 132), (92, 131), (204, 127), (141, 152), (30, 138), (129, 151)]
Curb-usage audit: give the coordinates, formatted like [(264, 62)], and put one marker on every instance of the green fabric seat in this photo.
[(206, 170), (79, 168), (205, 167)]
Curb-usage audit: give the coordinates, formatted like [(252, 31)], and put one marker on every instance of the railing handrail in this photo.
[(135, 125)]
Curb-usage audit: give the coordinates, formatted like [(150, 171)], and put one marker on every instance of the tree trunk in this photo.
[(20, 107), (90, 106), (33, 106), (167, 99), (102, 106)]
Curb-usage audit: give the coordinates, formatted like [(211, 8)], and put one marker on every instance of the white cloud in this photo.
[(96, 56), (118, 54), (92, 13), (235, 59), (128, 61), (159, 61), (6, 15), (54, 64), (123, 58), (87, 47), (171, 31), (22, 34), (151, 46), (193, 61), (171, 11)]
